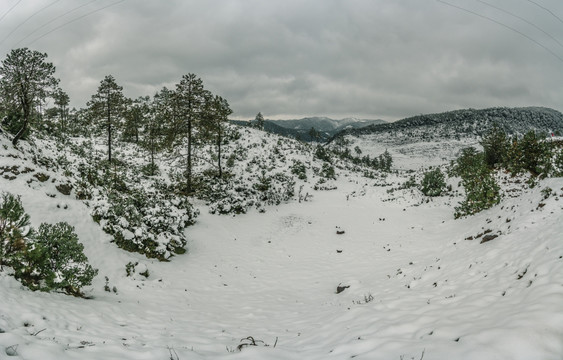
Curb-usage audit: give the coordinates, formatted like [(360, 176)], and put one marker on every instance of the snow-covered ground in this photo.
[(414, 287), (409, 153)]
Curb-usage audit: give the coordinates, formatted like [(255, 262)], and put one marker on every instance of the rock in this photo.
[(64, 189), (341, 288), (487, 238)]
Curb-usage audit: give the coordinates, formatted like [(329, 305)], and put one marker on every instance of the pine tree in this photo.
[(108, 104), (135, 118), (495, 146), (314, 134), (385, 161), (531, 154), (165, 109), (259, 119), (25, 80), (481, 189), (220, 112), (61, 101), (190, 100), (153, 132)]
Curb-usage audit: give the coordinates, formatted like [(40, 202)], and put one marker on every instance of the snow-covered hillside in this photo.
[(363, 271), (433, 139)]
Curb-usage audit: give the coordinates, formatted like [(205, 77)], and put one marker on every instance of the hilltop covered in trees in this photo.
[(468, 122)]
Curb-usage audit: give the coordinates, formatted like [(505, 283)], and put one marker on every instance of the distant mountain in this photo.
[(324, 123), (301, 128)]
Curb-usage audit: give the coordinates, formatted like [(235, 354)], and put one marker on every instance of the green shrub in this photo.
[(531, 154), (546, 192), (328, 172), (410, 183), (263, 183), (14, 227), (558, 164), (231, 160), (322, 154), (433, 183), (481, 189), (385, 161), (54, 260), (150, 170), (299, 169), (481, 192)]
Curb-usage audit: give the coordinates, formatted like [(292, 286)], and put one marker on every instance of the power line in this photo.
[(546, 9), (523, 19), (10, 9), (26, 20), (76, 19), (503, 25), (53, 20)]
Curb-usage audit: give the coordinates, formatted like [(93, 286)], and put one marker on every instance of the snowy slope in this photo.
[(417, 288)]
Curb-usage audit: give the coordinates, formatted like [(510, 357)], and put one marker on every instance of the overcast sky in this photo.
[(386, 59)]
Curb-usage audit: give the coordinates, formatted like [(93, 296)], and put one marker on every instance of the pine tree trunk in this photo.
[(219, 153), (189, 169), (109, 130), (20, 133)]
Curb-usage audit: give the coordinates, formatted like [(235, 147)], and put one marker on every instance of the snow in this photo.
[(417, 288)]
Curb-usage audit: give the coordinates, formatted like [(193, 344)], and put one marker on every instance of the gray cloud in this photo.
[(292, 58)]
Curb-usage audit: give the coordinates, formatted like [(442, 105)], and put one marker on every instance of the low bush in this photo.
[(148, 223), (54, 261), (433, 183), (299, 169), (49, 259)]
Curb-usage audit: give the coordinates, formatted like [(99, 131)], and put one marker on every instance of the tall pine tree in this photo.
[(215, 117), (135, 118), (108, 105), (190, 100), (61, 101), (25, 80)]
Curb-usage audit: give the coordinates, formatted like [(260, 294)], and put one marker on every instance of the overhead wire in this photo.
[(503, 25), (524, 20), (73, 20), (52, 21), (10, 9), (26, 20), (546, 9)]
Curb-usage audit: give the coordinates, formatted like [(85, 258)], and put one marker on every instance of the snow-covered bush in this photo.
[(322, 154), (150, 223), (235, 195), (299, 169)]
